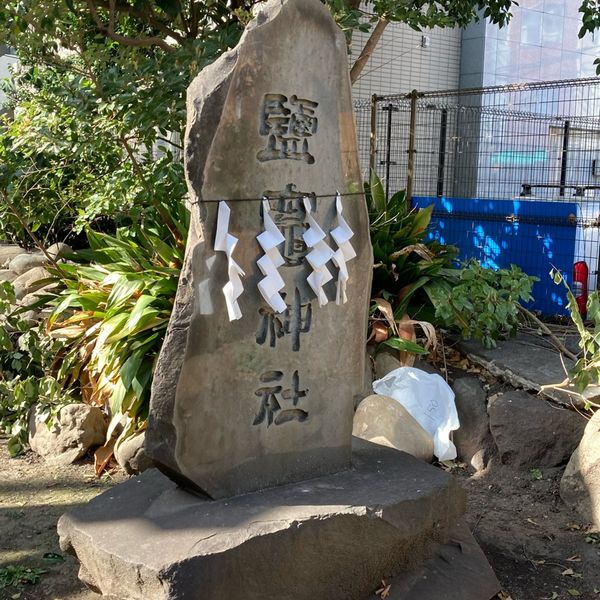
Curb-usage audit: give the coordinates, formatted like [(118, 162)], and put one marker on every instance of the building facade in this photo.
[(540, 43)]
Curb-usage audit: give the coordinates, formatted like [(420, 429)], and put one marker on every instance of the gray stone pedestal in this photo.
[(335, 536)]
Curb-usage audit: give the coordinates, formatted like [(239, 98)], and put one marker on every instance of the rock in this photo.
[(131, 455), (473, 440), (385, 362), (58, 250), (75, 429), (429, 399), (35, 296), (428, 368), (7, 275), (458, 570), (30, 281), (525, 361), (266, 399), (335, 536), (26, 262), (31, 317), (382, 420), (368, 381), (7, 253), (580, 484), (532, 433)]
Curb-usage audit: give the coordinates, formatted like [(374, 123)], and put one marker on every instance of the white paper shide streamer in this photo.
[(345, 252), (225, 242), (318, 257), (270, 261)]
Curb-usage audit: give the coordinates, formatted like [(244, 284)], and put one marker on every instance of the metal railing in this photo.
[(513, 171)]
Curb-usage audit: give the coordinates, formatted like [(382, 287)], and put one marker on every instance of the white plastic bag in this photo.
[(429, 399)]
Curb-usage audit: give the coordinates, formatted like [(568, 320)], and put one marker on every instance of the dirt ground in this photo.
[(538, 548), (32, 498)]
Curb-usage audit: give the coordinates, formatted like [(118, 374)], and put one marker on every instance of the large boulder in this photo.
[(25, 262), (530, 432), (386, 361), (383, 420), (33, 297), (473, 440), (58, 250), (7, 253), (131, 455), (580, 484), (7, 275), (75, 429), (30, 281)]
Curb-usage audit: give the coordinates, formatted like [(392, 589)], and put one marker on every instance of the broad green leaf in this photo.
[(377, 194), (405, 346)]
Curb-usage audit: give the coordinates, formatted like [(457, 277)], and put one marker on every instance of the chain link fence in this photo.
[(513, 172)]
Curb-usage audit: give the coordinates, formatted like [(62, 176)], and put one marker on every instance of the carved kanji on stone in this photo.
[(288, 123)]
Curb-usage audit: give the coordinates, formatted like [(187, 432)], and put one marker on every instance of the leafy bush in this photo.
[(113, 315), (26, 358), (482, 303), (405, 265), (405, 268), (586, 370)]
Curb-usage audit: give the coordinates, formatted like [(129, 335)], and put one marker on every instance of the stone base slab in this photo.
[(335, 536)]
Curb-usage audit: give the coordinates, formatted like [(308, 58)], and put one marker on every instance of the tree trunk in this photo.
[(368, 50)]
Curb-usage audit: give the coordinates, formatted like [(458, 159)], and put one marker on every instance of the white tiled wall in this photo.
[(400, 64)]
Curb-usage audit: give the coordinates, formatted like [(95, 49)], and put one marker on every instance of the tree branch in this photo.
[(557, 343), (35, 239), (368, 50), (143, 15), (125, 40)]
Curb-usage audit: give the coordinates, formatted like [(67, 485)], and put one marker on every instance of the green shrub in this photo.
[(113, 315), (27, 354), (481, 303), (405, 267), (586, 370)]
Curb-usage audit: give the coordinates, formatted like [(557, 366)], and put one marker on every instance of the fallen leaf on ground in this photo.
[(103, 455), (573, 526), (574, 558), (573, 592), (384, 590)]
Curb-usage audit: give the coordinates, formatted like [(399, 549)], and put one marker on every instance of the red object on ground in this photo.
[(580, 285)]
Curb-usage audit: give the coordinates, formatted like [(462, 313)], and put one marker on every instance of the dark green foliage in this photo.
[(481, 303), (405, 264), (113, 315), (26, 358), (17, 575)]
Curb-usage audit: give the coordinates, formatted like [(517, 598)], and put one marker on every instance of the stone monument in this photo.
[(253, 395), (267, 398)]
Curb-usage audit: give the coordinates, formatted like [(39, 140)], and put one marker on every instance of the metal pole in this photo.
[(563, 161), (373, 138), (442, 152), (410, 171), (388, 150)]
